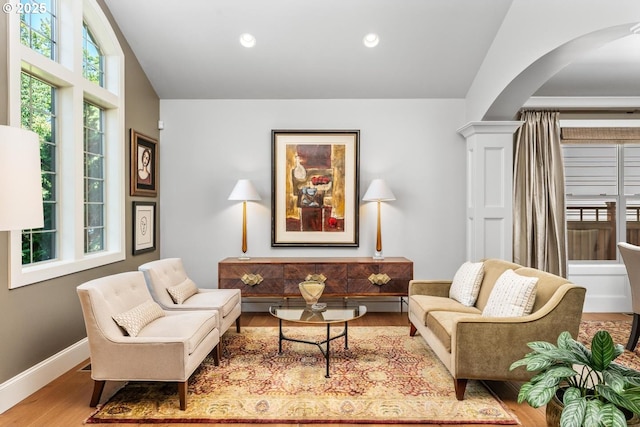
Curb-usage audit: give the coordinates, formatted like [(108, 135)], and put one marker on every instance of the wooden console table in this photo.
[(343, 277)]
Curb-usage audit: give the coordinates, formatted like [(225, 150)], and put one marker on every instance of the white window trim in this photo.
[(72, 92), (594, 267)]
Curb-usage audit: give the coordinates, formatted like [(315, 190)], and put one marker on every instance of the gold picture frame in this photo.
[(315, 187)]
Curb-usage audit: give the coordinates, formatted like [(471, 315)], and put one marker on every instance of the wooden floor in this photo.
[(65, 401)]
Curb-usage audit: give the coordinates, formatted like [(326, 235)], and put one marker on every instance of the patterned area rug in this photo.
[(385, 376)]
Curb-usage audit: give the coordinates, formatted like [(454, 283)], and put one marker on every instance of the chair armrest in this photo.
[(437, 288), (485, 347)]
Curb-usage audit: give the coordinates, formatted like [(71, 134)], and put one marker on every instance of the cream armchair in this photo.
[(132, 338), (166, 276)]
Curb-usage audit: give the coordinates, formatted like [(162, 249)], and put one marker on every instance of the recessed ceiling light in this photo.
[(247, 40), (371, 40)]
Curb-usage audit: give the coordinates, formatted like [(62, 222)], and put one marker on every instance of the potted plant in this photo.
[(590, 388)]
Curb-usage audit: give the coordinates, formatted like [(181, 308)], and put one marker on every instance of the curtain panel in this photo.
[(539, 230)]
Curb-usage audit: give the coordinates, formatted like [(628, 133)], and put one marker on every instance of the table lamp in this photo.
[(378, 191), (20, 180), (245, 191)]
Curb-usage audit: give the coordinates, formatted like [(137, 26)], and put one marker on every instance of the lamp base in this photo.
[(244, 257), (378, 255)]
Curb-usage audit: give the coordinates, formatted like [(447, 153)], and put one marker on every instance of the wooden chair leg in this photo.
[(98, 386), (412, 329), (217, 355), (460, 384), (182, 393), (635, 332), (238, 324)]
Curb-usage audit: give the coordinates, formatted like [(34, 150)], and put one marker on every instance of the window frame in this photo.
[(72, 90), (621, 199)]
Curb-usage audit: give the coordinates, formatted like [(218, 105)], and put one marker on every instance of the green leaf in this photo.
[(630, 400), (631, 376), (523, 394), (610, 416), (573, 413), (540, 394), (581, 353), (564, 339), (614, 380), (538, 362), (592, 413), (561, 372), (602, 350), (541, 346), (571, 393)]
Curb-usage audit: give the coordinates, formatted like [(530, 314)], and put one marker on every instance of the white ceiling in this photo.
[(312, 49)]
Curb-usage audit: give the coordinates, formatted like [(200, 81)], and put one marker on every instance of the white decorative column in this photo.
[(489, 188)]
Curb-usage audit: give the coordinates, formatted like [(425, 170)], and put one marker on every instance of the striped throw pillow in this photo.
[(512, 295)]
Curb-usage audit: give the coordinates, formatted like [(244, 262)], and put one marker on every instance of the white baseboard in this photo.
[(33, 379)]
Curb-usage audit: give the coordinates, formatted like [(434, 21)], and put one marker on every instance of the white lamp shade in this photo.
[(244, 190), (20, 179), (378, 191)]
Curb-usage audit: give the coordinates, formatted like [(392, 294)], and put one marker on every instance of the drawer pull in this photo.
[(251, 279), (315, 278), (379, 279)]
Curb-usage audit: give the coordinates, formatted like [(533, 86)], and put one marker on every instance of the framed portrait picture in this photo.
[(144, 165), (315, 179), (144, 227)]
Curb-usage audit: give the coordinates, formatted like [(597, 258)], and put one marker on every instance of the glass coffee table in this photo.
[(327, 316)]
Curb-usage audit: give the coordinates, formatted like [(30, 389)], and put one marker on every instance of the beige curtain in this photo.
[(538, 194)]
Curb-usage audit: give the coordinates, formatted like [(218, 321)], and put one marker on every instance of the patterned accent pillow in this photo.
[(132, 321), (466, 283), (512, 295), (180, 293)]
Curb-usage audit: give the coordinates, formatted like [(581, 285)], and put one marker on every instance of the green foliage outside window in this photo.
[(37, 30), (93, 179), (92, 58), (37, 105)]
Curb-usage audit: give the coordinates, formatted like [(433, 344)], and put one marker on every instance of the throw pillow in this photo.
[(512, 295), (466, 283), (132, 321), (180, 293)]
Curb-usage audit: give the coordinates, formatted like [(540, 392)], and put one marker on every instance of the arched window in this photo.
[(81, 128)]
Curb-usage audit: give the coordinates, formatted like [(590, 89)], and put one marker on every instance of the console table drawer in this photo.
[(258, 279), (334, 277), (374, 279)]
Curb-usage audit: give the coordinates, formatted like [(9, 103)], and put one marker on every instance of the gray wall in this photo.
[(39, 320), (209, 144)]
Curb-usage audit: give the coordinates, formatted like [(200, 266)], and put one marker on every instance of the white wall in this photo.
[(207, 145)]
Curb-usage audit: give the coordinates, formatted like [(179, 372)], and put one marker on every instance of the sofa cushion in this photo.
[(132, 321), (224, 300), (512, 295), (466, 283), (192, 327), (182, 291), (440, 323), (422, 305)]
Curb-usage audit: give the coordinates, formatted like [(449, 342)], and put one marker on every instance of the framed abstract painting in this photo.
[(315, 187)]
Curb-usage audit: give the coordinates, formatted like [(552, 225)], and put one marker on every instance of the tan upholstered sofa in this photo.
[(132, 338), (473, 346)]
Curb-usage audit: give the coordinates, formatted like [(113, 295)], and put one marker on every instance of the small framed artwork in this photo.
[(144, 165), (315, 179), (144, 227)]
